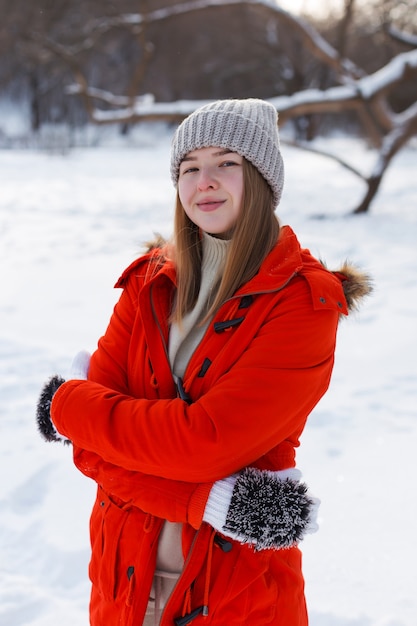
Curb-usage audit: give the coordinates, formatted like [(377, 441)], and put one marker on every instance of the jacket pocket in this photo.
[(243, 589), (106, 526)]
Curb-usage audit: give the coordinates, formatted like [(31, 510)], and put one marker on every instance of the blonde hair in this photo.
[(255, 234)]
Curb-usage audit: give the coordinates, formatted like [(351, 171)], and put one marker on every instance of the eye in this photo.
[(228, 163), (188, 170)]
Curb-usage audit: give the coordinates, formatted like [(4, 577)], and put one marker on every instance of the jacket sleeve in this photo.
[(259, 402), (108, 365), (171, 500), (175, 501)]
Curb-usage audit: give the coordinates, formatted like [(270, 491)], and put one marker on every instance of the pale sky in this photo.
[(314, 7)]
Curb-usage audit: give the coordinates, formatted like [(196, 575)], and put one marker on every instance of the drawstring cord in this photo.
[(187, 602), (208, 574), (149, 523), (187, 614)]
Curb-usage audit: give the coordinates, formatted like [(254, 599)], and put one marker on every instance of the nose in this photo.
[(207, 179)]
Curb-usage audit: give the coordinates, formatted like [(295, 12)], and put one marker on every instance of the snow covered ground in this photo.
[(69, 224)]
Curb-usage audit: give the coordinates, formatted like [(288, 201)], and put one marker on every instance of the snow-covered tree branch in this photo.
[(406, 38)]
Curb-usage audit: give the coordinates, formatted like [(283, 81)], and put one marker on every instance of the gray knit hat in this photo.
[(248, 127)]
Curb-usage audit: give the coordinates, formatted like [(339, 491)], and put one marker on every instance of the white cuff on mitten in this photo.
[(80, 366), (218, 502)]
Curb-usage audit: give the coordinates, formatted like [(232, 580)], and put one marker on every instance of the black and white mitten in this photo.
[(262, 508), (46, 427)]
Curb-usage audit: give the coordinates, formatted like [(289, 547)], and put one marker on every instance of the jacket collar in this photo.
[(282, 263)]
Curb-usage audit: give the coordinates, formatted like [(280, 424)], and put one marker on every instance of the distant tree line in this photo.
[(223, 50), (108, 63)]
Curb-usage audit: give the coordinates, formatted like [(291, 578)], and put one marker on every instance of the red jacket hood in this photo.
[(286, 259)]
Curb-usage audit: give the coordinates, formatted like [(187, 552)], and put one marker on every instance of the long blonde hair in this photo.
[(255, 234)]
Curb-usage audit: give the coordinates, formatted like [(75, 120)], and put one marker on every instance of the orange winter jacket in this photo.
[(261, 367)]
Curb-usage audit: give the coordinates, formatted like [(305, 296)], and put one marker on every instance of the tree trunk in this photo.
[(35, 113)]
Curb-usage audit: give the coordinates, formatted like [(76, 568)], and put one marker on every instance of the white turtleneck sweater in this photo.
[(183, 340)]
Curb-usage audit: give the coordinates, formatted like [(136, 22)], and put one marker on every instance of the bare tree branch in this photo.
[(314, 42), (392, 143), (73, 63), (306, 147)]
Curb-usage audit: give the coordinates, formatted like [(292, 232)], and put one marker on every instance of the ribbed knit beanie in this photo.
[(248, 127)]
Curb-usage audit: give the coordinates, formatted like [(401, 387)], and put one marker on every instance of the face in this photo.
[(210, 187)]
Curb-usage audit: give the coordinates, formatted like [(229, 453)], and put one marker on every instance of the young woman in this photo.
[(220, 346)]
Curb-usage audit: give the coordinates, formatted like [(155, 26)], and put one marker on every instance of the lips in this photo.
[(210, 204)]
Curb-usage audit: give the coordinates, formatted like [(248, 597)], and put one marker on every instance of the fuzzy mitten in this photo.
[(43, 411), (262, 508), (46, 427)]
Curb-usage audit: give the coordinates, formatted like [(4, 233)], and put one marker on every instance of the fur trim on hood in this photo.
[(356, 283)]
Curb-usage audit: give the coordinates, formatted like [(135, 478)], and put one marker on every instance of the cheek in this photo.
[(184, 192)]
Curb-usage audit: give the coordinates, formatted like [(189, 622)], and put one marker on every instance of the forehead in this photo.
[(212, 151)]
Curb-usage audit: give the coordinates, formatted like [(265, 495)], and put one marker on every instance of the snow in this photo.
[(69, 224)]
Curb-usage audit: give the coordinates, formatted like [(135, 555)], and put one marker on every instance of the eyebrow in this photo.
[(216, 154)]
